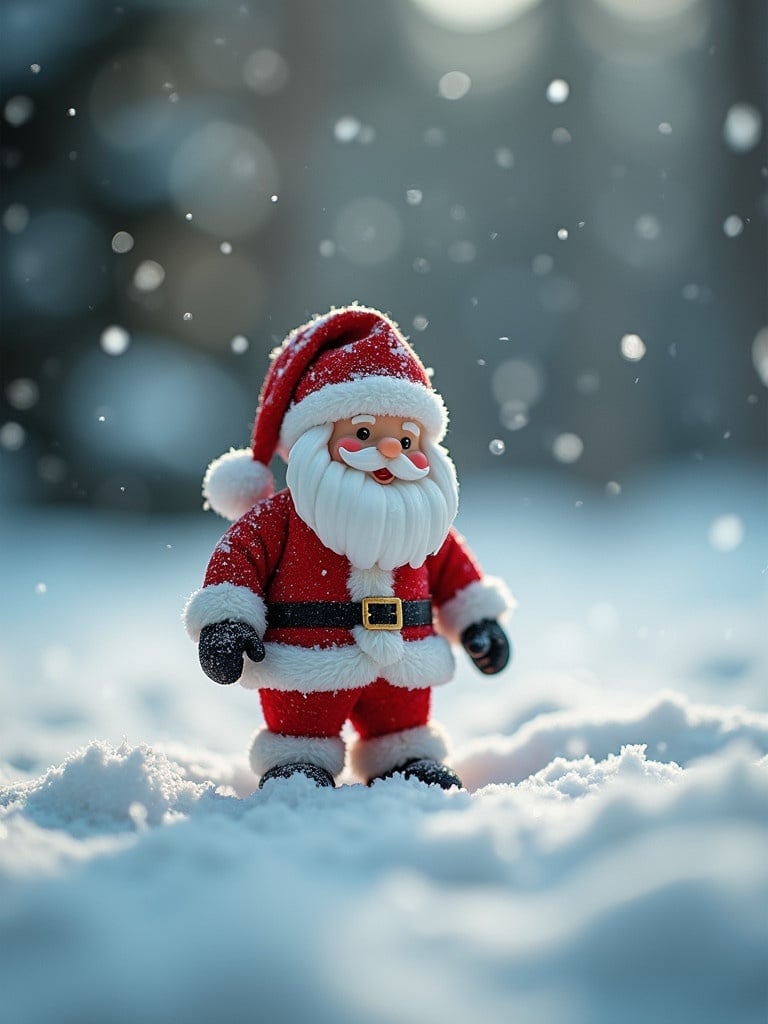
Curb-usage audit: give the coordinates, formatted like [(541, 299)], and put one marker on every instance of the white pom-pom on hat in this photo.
[(235, 482)]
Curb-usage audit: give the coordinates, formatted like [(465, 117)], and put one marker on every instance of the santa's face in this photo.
[(335, 478), (387, 447)]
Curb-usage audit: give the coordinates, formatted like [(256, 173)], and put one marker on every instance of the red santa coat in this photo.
[(271, 555)]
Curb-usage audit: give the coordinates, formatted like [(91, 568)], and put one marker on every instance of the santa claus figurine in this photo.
[(339, 597)]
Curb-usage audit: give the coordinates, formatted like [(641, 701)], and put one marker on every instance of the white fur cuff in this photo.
[(488, 598), (222, 601), (273, 749), (370, 758)]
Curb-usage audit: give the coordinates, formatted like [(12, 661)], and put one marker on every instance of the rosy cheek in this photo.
[(349, 444), (419, 459)]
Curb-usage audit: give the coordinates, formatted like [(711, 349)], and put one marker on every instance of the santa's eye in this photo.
[(363, 433), (405, 442)]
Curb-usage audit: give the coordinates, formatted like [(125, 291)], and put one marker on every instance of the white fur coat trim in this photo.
[(373, 582), (488, 598), (272, 749), (385, 647), (369, 758), (222, 601), (427, 662)]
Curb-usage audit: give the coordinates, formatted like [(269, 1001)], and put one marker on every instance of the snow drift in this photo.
[(598, 888), (608, 860)]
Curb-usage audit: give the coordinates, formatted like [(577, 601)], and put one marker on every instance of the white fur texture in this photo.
[(379, 396), (488, 598), (272, 749), (369, 758), (384, 647), (234, 483), (223, 601), (427, 662), (373, 582)]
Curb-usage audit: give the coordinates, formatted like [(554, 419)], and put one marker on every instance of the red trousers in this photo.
[(373, 710)]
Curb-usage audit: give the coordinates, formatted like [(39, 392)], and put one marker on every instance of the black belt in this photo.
[(371, 612)]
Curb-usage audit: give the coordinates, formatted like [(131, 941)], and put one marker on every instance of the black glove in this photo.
[(221, 649), (487, 645)]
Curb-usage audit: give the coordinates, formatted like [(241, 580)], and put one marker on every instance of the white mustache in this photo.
[(370, 459)]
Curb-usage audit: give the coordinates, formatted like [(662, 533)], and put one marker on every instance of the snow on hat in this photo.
[(348, 361)]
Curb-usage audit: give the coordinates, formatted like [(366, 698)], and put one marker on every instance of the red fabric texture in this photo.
[(374, 710), (379, 352), (273, 553)]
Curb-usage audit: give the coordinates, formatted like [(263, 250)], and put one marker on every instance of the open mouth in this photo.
[(383, 475)]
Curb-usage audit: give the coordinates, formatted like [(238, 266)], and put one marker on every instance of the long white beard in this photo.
[(372, 524)]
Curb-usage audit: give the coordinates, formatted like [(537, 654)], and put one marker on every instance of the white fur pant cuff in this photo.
[(272, 750), (377, 756)]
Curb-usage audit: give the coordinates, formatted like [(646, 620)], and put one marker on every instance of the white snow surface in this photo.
[(607, 861)]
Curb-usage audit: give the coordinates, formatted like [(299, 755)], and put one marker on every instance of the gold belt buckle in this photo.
[(396, 606)]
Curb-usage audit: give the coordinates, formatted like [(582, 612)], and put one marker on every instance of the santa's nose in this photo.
[(389, 447)]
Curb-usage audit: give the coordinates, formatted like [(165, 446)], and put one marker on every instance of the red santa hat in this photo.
[(349, 361)]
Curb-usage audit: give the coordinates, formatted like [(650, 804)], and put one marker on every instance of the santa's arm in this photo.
[(227, 616), (470, 603)]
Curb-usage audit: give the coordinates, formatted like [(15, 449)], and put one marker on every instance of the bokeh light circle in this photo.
[(148, 276), (227, 174), (733, 226), (743, 127), (346, 128), (760, 354), (22, 393), (633, 348), (265, 72), (517, 380), (15, 218), (567, 448), (558, 91), (368, 231), (18, 110), (12, 436), (122, 241), (473, 15), (114, 340), (726, 532), (514, 414), (454, 85)]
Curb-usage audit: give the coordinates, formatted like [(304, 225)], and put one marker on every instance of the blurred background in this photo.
[(562, 204)]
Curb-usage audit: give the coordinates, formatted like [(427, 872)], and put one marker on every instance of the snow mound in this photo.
[(607, 862), (596, 890), (669, 725), (100, 789)]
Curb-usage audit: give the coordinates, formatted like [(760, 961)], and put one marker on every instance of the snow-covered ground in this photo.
[(607, 862)]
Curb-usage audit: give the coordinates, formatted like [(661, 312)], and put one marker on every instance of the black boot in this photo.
[(431, 773), (319, 776)]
